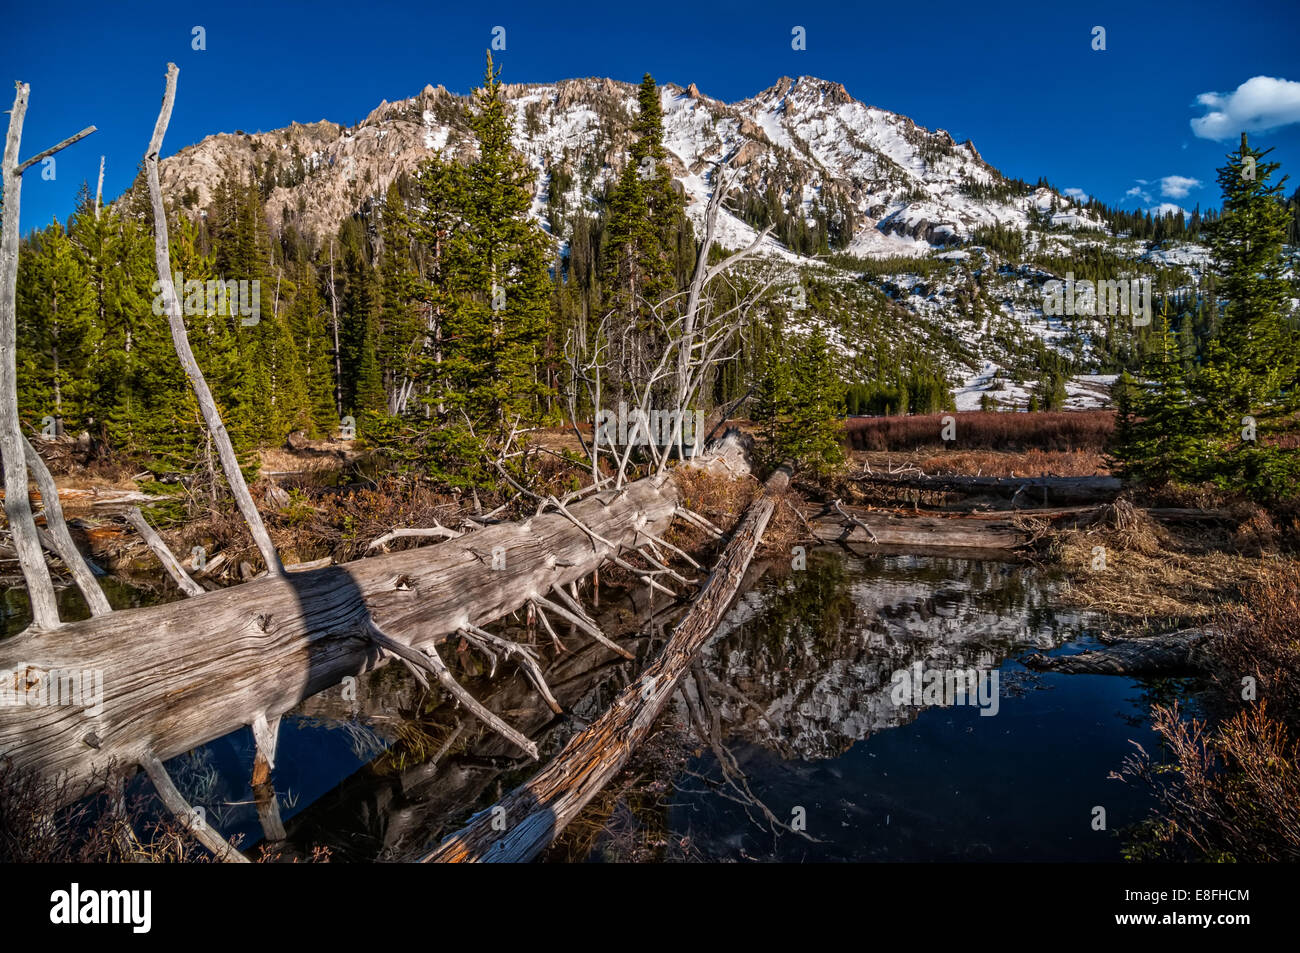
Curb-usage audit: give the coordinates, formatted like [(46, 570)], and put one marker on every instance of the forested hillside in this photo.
[(434, 297)]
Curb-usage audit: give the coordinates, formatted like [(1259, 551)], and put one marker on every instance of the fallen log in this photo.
[(856, 525), (178, 675), (1030, 490), (1171, 654), (522, 824)]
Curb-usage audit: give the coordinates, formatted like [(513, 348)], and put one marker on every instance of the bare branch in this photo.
[(53, 149), (393, 534), (527, 660), (169, 561), (430, 660), (582, 621), (174, 802), (81, 571), (853, 519)]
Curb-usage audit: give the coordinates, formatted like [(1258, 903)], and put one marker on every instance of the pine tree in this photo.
[(362, 384), (1247, 388), (438, 229), (56, 330), (1126, 393), (306, 317), (487, 297), (1157, 445), (649, 246), (1253, 355), (502, 279), (399, 336), (799, 401)]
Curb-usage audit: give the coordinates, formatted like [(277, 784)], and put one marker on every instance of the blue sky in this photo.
[(1020, 79)]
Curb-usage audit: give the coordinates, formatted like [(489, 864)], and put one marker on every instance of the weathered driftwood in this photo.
[(98, 497), (1171, 654), (81, 570), (520, 826), (922, 532), (197, 825), (176, 676), (170, 562), (1026, 490)]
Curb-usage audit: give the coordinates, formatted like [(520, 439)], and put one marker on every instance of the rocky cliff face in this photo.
[(808, 137)]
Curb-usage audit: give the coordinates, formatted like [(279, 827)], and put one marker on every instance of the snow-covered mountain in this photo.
[(810, 137), (912, 193)]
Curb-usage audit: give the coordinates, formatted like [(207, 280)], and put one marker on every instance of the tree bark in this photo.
[(179, 675), (924, 532)]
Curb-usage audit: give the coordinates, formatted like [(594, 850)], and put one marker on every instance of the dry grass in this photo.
[(307, 464), (32, 831), (1228, 795), (1260, 638), (717, 498), (998, 463), (1065, 430), (723, 501), (1161, 573)]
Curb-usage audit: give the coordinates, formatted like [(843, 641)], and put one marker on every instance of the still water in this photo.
[(883, 781)]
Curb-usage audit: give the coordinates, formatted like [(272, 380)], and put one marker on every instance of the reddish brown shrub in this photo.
[(1064, 430)]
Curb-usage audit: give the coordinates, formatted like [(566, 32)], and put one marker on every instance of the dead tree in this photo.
[(1156, 656), (696, 334), (207, 406), (183, 674), (13, 453)]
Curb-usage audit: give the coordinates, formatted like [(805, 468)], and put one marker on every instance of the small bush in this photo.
[(1232, 792)]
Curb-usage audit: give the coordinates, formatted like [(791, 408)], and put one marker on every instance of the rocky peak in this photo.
[(807, 138)]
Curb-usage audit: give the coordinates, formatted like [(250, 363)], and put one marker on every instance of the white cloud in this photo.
[(1177, 186), (1079, 195), (1166, 208), (1259, 104), (1138, 192)]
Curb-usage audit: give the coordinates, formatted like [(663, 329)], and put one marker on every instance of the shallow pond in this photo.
[(825, 657), (803, 694)]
